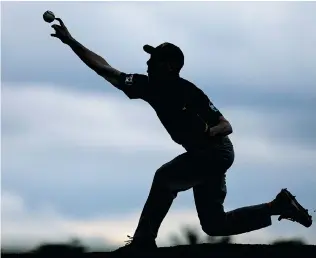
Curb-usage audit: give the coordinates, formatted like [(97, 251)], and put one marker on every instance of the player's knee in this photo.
[(161, 176), (163, 180), (214, 230), (215, 226)]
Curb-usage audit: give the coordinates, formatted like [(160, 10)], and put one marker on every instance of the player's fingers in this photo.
[(60, 22), (54, 35), (56, 27)]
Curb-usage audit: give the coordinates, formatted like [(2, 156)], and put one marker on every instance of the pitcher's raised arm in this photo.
[(96, 63), (91, 59)]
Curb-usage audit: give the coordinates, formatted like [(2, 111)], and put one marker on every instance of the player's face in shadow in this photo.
[(156, 68)]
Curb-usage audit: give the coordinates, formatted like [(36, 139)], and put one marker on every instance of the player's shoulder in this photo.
[(134, 79), (190, 87)]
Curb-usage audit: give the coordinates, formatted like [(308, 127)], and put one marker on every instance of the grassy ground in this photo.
[(194, 251)]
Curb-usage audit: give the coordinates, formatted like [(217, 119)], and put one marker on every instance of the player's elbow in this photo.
[(228, 129), (109, 74)]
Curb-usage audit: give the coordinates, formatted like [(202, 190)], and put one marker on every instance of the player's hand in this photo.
[(61, 32)]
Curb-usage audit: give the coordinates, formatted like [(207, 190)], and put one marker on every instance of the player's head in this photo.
[(165, 60)]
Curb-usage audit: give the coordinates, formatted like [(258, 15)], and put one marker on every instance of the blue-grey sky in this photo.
[(78, 155)]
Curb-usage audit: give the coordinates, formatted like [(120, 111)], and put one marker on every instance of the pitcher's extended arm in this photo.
[(91, 59), (95, 62)]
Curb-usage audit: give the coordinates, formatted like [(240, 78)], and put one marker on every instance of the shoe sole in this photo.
[(299, 208)]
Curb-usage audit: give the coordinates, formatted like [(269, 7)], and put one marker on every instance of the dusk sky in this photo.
[(78, 156)]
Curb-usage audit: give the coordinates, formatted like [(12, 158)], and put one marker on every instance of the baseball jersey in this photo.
[(183, 109)]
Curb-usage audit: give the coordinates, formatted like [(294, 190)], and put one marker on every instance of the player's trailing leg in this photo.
[(217, 222)]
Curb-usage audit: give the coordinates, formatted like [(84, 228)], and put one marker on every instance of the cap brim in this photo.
[(149, 49)]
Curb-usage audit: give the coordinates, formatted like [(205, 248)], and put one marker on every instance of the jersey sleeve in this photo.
[(135, 86), (214, 110)]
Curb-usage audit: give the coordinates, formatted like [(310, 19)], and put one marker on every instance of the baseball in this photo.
[(49, 16)]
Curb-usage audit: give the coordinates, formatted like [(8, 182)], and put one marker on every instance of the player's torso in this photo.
[(168, 107), (170, 103)]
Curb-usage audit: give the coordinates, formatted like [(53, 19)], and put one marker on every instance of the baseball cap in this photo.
[(168, 52)]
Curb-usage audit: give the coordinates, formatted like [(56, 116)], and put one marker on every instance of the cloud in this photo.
[(59, 145), (60, 116), (264, 47), (52, 115), (94, 145)]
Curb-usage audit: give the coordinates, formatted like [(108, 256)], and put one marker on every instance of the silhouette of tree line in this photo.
[(188, 236), (192, 237)]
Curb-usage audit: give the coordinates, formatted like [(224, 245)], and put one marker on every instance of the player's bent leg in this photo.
[(251, 218), (180, 174), (238, 221), (209, 198), (157, 205), (173, 177)]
